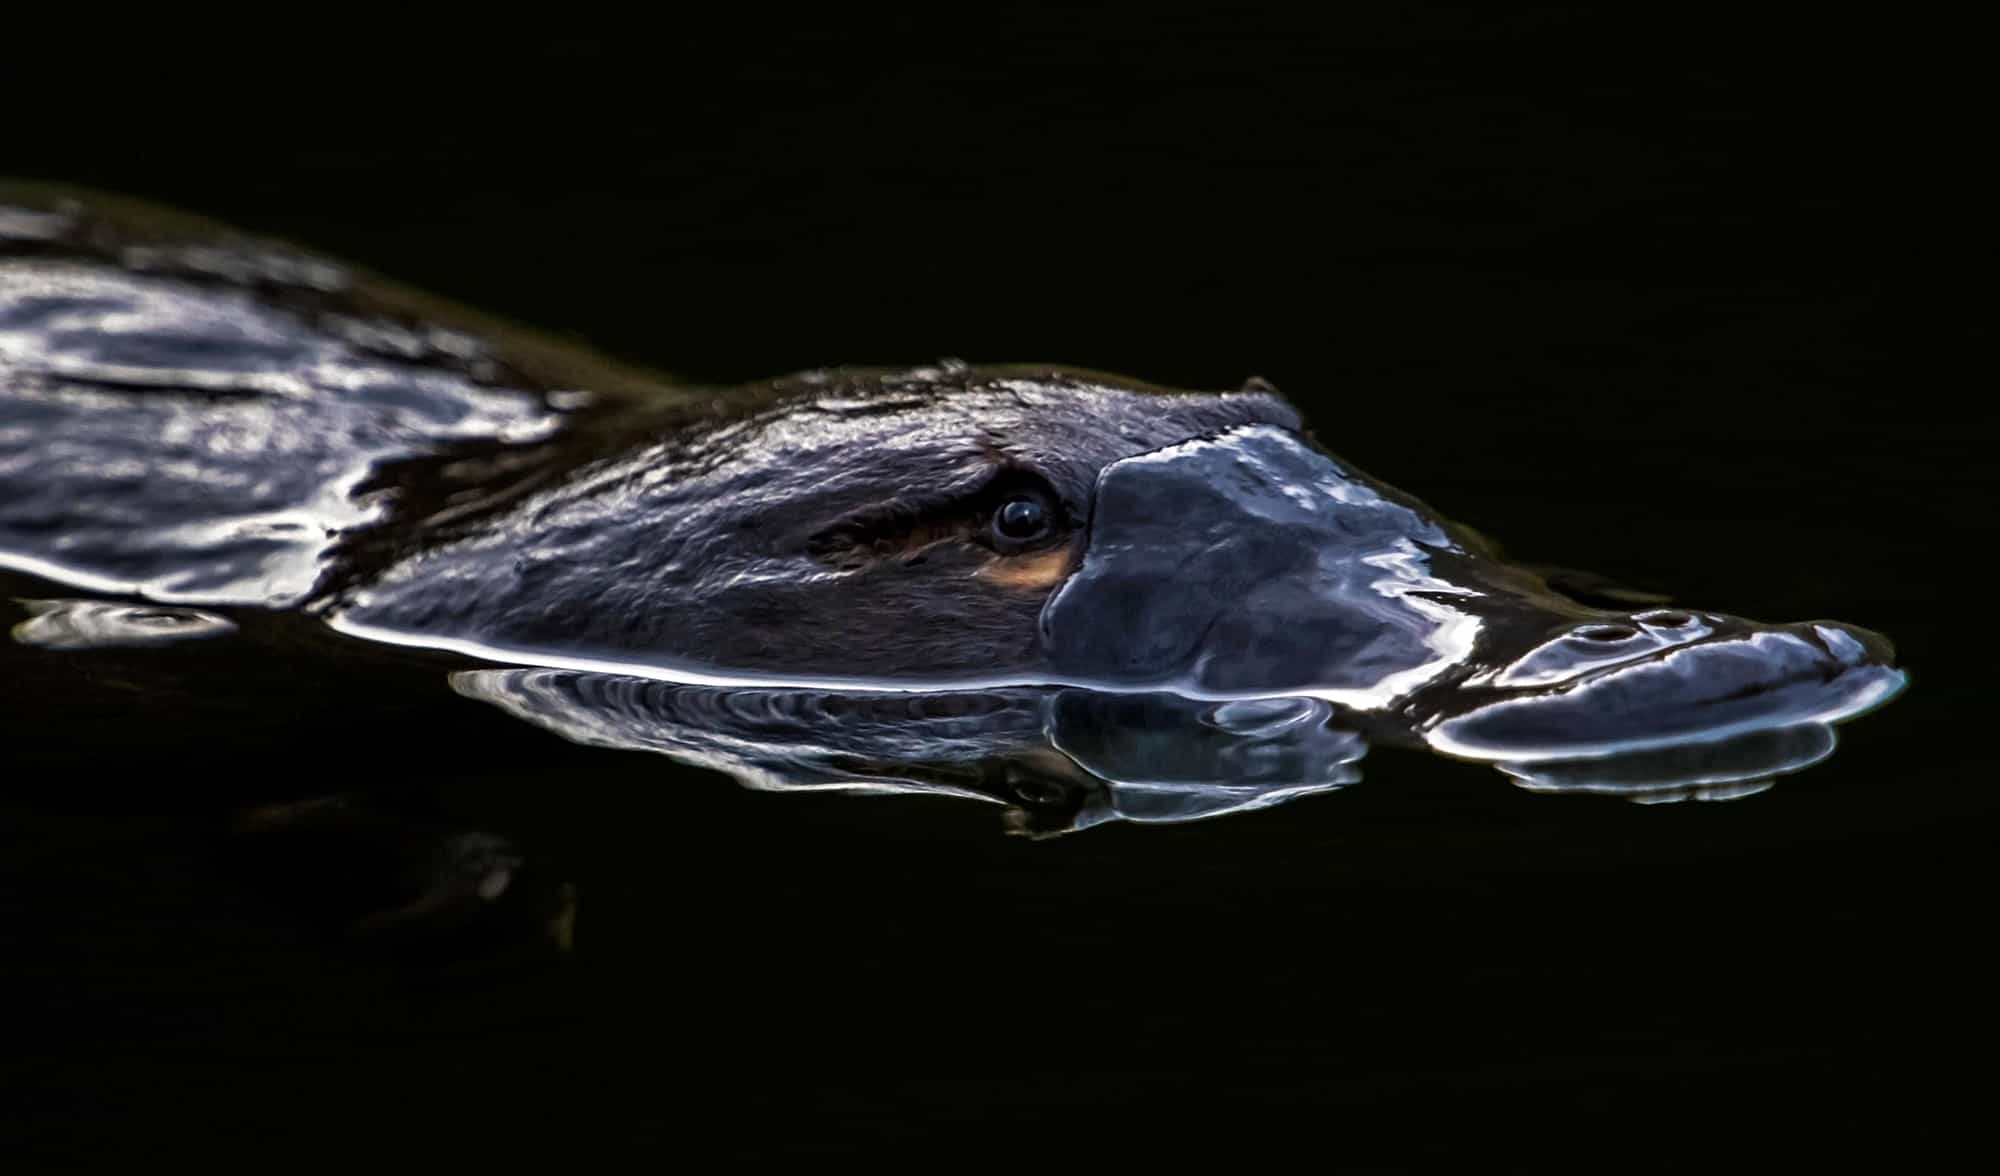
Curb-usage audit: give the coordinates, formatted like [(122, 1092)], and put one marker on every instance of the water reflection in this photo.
[(1066, 758), (108, 624)]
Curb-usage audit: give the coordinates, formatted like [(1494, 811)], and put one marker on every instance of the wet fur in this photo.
[(834, 530)]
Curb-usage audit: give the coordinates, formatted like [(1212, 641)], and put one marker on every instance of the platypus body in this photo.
[(196, 419)]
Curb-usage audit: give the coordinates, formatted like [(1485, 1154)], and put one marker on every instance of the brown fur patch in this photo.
[(1037, 571)]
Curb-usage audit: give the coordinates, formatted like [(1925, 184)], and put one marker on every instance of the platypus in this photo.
[(204, 422)]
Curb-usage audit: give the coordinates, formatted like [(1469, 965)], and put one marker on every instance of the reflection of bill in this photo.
[(1063, 758)]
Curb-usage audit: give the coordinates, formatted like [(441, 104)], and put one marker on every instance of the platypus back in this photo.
[(189, 414)]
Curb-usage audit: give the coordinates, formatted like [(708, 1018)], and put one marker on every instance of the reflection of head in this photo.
[(1062, 758)]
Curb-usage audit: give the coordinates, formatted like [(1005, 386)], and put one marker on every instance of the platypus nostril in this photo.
[(1605, 633), (1665, 618)]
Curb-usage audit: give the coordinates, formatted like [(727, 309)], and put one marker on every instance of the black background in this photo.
[(1678, 299)]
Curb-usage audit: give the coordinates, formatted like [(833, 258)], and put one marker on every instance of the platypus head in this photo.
[(951, 525)]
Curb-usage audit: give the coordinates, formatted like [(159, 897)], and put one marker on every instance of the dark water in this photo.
[(1650, 315)]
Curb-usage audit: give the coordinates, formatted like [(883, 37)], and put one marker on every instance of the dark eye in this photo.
[(1023, 517)]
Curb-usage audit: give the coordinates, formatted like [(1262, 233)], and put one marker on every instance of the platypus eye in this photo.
[(1023, 517)]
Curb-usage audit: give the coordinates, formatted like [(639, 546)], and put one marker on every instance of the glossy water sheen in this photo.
[(184, 442), (100, 624)]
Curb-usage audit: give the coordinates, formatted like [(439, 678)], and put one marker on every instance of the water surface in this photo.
[(1635, 323)]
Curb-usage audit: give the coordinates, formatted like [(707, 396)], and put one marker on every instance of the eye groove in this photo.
[(1012, 513)]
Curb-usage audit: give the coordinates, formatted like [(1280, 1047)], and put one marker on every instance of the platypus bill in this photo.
[(1076, 593)]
